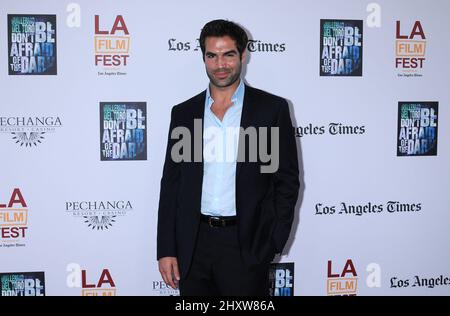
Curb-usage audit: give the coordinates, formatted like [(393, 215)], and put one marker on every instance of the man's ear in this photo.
[(244, 56)]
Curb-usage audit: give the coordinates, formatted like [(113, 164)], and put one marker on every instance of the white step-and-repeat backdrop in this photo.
[(87, 88)]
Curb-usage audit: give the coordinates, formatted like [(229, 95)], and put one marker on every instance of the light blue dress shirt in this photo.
[(220, 146)]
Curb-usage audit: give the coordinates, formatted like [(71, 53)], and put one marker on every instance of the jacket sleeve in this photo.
[(286, 179), (166, 240)]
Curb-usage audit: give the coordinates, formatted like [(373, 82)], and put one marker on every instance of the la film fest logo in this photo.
[(330, 129), (98, 215), (22, 284), (417, 129), (31, 44), (123, 133), (281, 276), (92, 283), (343, 277), (410, 48), (13, 220), (341, 47), (29, 131), (367, 209), (345, 282), (253, 45), (111, 46)]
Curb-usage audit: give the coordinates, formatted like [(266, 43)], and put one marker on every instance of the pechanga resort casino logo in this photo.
[(22, 284), (31, 44), (160, 288), (281, 276), (123, 131), (13, 220), (111, 46), (341, 47), (417, 129), (29, 131), (410, 50), (98, 215)]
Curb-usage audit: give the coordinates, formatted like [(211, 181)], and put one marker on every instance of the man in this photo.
[(221, 221)]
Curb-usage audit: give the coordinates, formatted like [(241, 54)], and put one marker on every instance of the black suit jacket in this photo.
[(265, 202)]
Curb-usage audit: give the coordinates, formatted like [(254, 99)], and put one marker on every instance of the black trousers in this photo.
[(217, 268)]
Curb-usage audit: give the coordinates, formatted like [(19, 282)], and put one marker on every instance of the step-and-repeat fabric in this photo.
[(86, 93)]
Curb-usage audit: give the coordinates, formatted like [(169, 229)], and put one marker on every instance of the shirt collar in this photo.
[(237, 97)]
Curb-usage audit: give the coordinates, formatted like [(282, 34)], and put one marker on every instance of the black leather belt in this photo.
[(218, 221)]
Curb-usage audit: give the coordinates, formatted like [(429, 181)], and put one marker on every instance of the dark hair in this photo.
[(219, 28)]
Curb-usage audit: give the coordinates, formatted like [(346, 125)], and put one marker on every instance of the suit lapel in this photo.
[(197, 172), (246, 120)]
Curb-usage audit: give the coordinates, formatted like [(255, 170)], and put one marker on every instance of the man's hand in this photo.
[(168, 267)]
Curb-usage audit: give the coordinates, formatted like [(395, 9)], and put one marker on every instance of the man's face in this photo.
[(222, 61)]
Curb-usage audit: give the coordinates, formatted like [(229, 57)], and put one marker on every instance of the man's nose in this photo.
[(221, 62)]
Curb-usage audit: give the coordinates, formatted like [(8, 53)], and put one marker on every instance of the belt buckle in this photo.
[(210, 220)]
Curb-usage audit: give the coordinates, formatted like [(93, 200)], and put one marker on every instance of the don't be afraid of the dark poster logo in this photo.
[(417, 129), (281, 276), (341, 47), (22, 284), (123, 131), (31, 44)]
